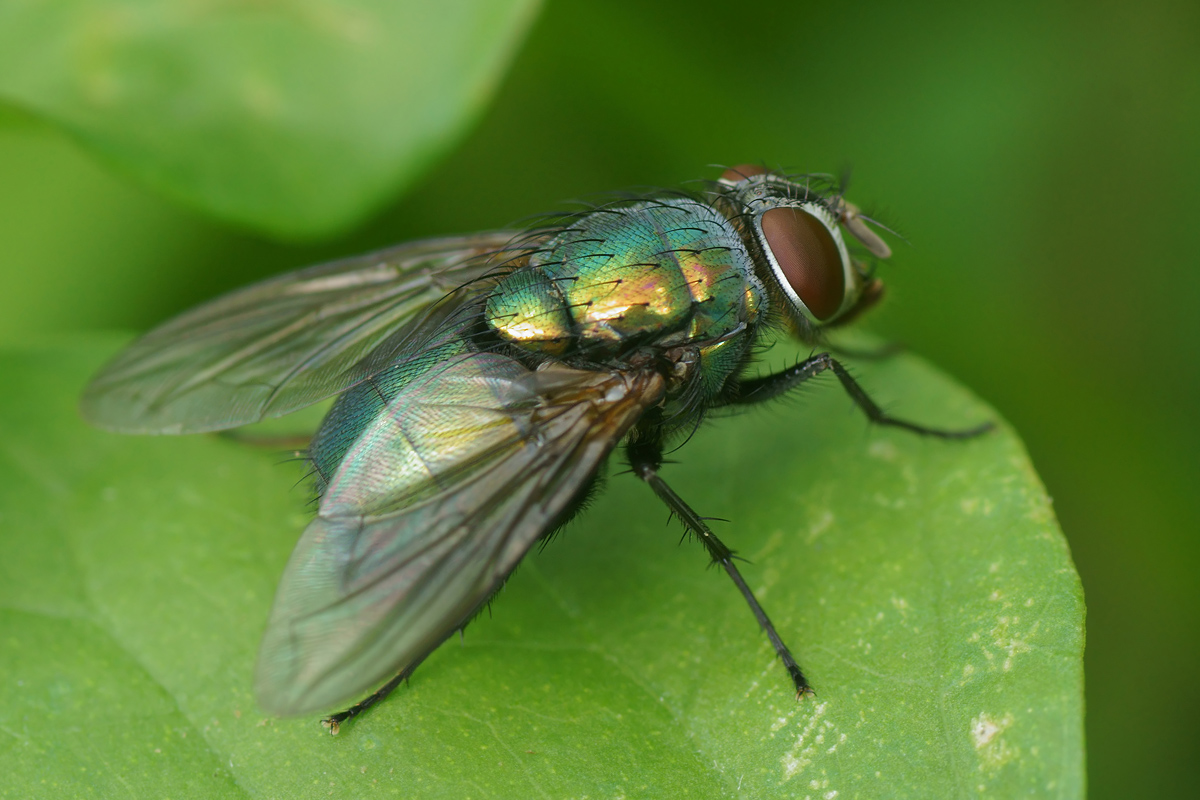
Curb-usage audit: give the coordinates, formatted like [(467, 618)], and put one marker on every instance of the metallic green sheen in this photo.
[(662, 272), (527, 308), (719, 361), (359, 406), (666, 273)]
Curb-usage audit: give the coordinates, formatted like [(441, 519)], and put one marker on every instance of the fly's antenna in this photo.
[(852, 219)]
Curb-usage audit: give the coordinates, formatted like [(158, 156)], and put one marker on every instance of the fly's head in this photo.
[(794, 228)]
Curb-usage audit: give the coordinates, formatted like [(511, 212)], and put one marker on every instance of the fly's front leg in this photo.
[(645, 457), (758, 390)]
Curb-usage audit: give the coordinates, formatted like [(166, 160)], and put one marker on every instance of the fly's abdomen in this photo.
[(358, 407), (667, 271)]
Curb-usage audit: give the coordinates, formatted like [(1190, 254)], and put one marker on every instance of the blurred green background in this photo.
[(1042, 159)]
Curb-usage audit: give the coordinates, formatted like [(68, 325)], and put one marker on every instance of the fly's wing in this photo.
[(287, 342), (429, 511)]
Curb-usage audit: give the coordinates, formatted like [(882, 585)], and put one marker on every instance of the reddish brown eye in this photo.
[(741, 172), (809, 258)]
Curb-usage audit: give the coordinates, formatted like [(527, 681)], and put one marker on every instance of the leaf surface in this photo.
[(924, 585)]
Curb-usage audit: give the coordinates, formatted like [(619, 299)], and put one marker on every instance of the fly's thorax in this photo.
[(696, 374), (721, 361), (702, 371), (660, 272), (793, 229)]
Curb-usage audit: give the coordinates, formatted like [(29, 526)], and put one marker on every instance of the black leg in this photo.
[(758, 390), (645, 457), (334, 721)]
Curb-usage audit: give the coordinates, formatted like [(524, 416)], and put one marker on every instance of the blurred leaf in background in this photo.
[(1041, 159), (294, 118)]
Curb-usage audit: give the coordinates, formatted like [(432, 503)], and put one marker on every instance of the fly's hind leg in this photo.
[(333, 722), (645, 457)]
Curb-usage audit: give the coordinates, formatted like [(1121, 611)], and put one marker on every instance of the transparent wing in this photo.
[(287, 342), (429, 511)]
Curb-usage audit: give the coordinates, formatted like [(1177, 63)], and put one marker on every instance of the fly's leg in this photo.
[(334, 721), (645, 457), (758, 390)]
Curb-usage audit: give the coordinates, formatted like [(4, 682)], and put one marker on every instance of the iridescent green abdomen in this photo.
[(662, 272), (358, 407)]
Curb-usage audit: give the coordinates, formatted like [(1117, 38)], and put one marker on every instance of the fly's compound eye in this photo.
[(809, 259)]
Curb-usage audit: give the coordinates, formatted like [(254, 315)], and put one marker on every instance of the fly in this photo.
[(482, 381)]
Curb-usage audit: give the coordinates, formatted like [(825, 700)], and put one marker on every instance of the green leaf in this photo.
[(924, 585), (296, 118)]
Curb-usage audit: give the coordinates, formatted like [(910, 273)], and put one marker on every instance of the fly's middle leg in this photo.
[(645, 457)]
